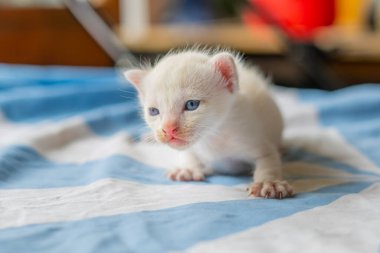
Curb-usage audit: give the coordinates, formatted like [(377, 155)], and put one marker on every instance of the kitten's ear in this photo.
[(224, 63), (134, 76)]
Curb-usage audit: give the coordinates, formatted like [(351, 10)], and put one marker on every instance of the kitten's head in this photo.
[(186, 95)]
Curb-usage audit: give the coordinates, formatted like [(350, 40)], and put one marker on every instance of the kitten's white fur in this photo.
[(236, 119)]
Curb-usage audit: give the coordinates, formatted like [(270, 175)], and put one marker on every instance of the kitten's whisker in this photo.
[(148, 138), (126, 97), (126, 90)]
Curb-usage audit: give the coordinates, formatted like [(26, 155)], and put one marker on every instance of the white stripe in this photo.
[(45, 135), (102, 198), (112, 196), (95, 148), (72, 141), (349, 224)]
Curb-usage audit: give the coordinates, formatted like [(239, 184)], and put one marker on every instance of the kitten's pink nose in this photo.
[(170, 129)]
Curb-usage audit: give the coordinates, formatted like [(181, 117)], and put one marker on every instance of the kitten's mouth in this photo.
[(176, 142)]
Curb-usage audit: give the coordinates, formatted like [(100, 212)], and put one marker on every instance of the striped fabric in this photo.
[(75, 177)]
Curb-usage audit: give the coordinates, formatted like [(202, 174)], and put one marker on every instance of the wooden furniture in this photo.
[(46, 36)]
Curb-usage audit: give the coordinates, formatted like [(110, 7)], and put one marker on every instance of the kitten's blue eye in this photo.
[(153, 111), (191, 105)]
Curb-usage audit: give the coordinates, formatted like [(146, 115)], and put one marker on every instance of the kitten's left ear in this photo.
[(134, 76), (224, 63)]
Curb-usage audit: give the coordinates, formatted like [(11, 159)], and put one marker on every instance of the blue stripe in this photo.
[(164, 230), (104, 109), (121, 117), (355, 112), (31, 94), (17, 76), (35, 105), (22, 167)]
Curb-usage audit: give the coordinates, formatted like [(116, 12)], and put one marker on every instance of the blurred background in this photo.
[(327, 44)]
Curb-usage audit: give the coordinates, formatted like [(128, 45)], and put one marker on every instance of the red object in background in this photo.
[(297, 18)]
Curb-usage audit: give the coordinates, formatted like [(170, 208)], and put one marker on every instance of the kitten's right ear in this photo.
[(134, 76)]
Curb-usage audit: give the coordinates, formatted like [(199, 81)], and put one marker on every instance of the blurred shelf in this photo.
[(350, 43), (161, 38), (347, 43)]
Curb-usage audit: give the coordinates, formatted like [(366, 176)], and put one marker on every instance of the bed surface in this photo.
[(76, 177)]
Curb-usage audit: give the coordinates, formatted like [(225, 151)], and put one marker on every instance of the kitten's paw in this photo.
[(271, 189), (185, 175)]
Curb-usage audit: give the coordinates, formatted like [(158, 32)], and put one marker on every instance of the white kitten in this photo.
[(214, 107)]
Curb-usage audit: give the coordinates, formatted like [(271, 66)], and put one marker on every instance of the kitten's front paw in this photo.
[(271, 189), (185, 175)]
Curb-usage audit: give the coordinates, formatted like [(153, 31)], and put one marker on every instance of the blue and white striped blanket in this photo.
[(74, 176)]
